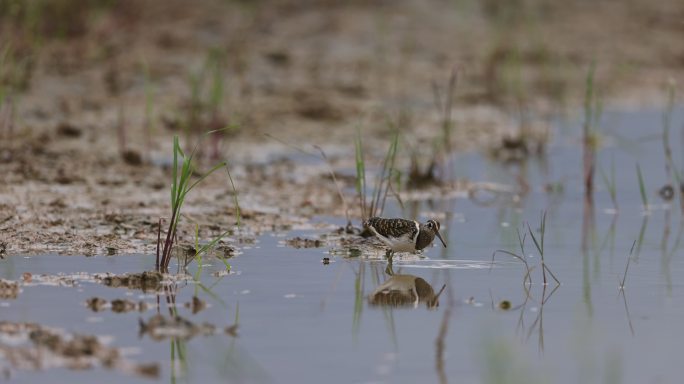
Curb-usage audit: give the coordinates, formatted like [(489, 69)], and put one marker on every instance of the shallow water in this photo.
[(303, 321)]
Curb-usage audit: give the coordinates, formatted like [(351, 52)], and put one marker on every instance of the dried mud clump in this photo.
[(299, 242), (8, 289), (146, 281), (34, 347)]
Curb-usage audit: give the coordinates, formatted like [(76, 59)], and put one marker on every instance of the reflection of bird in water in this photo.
[(402, 235), (405, 290)]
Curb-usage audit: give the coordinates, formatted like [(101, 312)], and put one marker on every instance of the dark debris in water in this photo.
[(30, 346)]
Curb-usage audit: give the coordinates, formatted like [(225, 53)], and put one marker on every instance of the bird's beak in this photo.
[(440, 238)]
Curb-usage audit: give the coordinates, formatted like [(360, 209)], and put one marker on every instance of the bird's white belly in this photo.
[(403, 245)]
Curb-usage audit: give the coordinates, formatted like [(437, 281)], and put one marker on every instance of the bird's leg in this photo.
[(415, 293), (389, 271), (389, 255)]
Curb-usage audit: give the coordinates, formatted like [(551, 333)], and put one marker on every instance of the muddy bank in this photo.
[(86, 119)]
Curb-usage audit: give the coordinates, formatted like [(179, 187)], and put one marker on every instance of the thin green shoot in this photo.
[(199, 251), (215, 62), (446, 106), (589, 100), (610, 183), (539, 244), (197, 255), (360, 174), (149, 105), (527, 278), (642, 187), (591, 117), (328, 163), (384, 180), (629, 258), (337, 184), (238, 215)]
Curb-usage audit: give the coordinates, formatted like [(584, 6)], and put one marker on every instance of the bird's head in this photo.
[(433, 226)]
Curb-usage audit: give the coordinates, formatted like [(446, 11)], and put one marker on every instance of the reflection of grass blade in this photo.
[(610, 183), (528, 277), (642, 187), (642, 231), (358, 299), (337, 184), (540, 247), (629, 258)]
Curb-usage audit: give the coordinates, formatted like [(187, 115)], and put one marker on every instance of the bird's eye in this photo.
[(430, 225)]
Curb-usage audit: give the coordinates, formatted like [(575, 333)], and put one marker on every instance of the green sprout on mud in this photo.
[(383, 182), (445, 106), (360, 174), (149, 105), (642, 187), (181, 186), (592, 114)]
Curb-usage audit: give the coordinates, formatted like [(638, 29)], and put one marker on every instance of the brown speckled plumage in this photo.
[(403, 235)]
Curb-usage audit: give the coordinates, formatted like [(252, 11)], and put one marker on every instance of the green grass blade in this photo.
[(642, 187), (543, 231), (174, 185), (588, 99), (205, 248), (360, 173), (212, 170), (534, 239)]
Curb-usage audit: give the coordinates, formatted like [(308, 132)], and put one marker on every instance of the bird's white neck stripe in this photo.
[(415, 238)]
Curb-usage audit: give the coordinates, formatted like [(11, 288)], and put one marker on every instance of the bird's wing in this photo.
[(394, 227)]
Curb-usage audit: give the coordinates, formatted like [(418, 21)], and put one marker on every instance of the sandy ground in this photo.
[(89, 110)]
